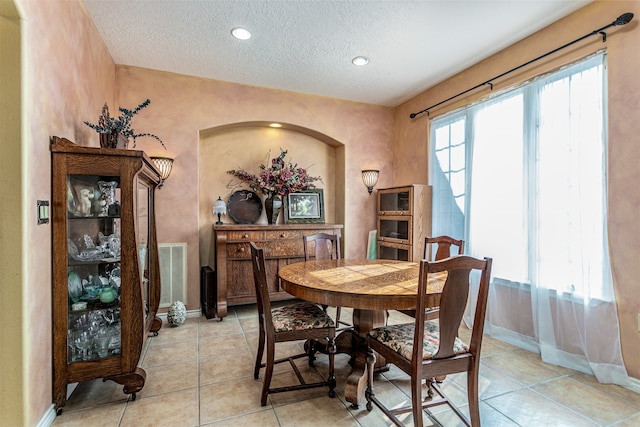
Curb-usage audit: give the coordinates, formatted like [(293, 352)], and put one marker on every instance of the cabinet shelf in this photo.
[(106, 277)]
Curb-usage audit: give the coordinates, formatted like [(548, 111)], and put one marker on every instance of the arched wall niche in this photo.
[(246, 145)]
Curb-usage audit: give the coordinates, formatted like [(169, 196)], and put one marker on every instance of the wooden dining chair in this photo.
[(443, 247), (292, 322), (426, 349), (324, 246)]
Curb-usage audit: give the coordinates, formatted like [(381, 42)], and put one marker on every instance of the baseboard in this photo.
[(634, 385), (48, 418), (190, 313)]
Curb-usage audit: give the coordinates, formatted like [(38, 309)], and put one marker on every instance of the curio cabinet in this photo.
[(106, 279)]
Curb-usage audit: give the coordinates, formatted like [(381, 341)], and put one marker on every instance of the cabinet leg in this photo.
[(156, 325), (132, 381)]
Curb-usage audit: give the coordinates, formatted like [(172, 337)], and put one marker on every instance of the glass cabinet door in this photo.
[(390, 252), (93, 267), (142, 237), (397, 229), (394, 203)]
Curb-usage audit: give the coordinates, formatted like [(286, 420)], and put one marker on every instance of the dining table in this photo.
[(370, 287)]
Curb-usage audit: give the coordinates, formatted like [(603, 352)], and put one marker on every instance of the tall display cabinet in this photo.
[(106, 277), (404, 220)]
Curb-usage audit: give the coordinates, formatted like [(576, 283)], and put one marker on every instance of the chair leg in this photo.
[(369, 394), (332, 374), (256, 370), (310, 348), (338, 309), (472, 396), (429, 383), (268, 373), (416, 399)]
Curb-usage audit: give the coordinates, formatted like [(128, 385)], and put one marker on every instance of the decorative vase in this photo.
[(108, 295), (108, 192), (113, 140), (272, 206), (177, 314)]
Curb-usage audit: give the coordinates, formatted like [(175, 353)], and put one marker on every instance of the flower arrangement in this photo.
[(121, 125), (279, 179)]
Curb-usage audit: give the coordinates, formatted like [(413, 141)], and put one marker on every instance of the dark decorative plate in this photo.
[(244, 207)]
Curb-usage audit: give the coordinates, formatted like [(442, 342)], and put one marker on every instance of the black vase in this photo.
[(272, 206)]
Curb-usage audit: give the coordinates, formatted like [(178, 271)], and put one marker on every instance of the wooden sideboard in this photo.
[(233, 270)]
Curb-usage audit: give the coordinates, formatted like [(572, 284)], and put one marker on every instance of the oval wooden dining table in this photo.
[(370, 287)]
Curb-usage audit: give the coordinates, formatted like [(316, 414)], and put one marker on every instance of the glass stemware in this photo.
[(84, 342)]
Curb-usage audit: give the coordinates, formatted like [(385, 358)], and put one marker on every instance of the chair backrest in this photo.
[(444, 247), (325, 246), (260, 281), (453, 302)]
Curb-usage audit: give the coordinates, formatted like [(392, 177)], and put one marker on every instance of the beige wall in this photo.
[(183, 108), (623, 56), (66, 71)]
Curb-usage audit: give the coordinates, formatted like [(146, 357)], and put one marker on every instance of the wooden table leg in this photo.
[(363, 322)]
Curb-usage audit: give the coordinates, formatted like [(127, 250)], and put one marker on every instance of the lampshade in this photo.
[(164, 165), (219, 208), (370, 178)]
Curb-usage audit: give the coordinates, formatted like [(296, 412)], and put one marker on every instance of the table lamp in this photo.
[(219, 208)]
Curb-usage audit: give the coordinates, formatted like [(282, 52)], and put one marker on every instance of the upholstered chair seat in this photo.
[(300, 316), (400, 339)]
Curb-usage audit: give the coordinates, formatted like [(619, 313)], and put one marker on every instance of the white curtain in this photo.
[(535, 201)]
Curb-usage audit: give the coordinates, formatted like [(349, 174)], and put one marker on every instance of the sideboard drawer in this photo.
[(238, 250), (245, 236), (284, 234), (290, 248)]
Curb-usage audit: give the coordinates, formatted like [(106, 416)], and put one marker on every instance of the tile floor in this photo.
[(201, 374)]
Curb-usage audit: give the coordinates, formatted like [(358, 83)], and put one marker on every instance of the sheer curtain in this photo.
[(535, 201)]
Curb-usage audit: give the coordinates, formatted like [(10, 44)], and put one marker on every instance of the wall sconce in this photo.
[(370, 178), (164, 165), (219, 208)]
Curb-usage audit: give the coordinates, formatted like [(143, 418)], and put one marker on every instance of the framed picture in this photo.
[(305, 207)]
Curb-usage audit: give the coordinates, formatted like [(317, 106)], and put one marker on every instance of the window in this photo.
[(522, 178)]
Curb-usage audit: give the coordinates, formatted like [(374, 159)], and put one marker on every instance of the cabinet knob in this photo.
[(245, 236), (381, 213), (241, 249), (283, 235)]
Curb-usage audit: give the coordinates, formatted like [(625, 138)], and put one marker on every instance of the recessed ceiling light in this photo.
[(241, 33), (275, 125), (360, 61)]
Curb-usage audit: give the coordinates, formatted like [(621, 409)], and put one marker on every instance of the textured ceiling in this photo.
[(307, 45)]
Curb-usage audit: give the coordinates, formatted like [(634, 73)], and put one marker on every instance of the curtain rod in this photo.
[(621, 20)]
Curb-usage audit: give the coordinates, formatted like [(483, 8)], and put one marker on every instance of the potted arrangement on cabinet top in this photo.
[(116, 132)]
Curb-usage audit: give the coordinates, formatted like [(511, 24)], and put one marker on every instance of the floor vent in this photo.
[(173, 273)]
